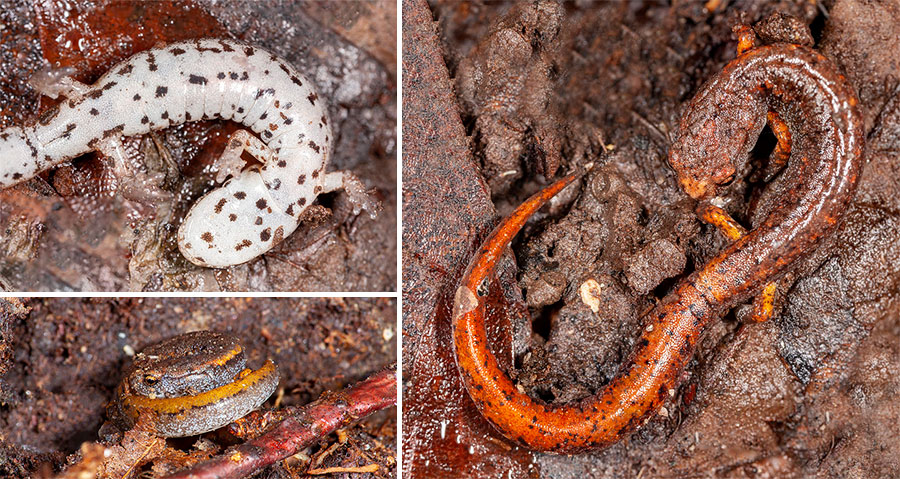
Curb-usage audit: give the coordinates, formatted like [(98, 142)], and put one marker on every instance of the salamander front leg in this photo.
[(58, 82)]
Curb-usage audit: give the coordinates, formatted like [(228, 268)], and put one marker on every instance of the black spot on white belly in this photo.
[(267, 91)]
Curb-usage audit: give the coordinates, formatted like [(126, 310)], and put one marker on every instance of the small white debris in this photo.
[(590, 294)]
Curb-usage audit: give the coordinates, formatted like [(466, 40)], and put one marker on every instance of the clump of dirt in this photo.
[(505, 84)]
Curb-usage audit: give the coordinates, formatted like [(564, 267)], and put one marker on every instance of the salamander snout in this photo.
[(702, 177)]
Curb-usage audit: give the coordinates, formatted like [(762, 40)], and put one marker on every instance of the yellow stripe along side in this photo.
[(227, 356), (184, 403)]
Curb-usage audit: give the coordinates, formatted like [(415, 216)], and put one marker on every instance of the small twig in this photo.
[(336, 470), (651, 127), (298, 431), (327, 452)]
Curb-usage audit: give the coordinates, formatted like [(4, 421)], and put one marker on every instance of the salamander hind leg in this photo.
[(130, 181), (782, 152), (355, 189)]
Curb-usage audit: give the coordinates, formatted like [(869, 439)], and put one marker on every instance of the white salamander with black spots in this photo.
[(188, 81)]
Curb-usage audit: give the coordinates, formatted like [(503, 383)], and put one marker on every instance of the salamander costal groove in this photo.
[(716, 133), (187, 81), (189, 384)]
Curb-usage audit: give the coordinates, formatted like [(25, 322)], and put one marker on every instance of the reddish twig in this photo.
[(309, 424)]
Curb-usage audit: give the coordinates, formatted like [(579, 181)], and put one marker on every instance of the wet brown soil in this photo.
[(798, 396), (72, 230), (60, 360)]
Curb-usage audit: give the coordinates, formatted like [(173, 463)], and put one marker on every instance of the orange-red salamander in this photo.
[(192, 384), (716, 133)]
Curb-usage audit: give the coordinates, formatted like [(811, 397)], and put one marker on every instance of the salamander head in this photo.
[(713, 141), (184, 365), (715, 135), (701, 174)]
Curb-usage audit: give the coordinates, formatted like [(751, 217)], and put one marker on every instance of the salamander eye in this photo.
[(724, 177), (150, 380)]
